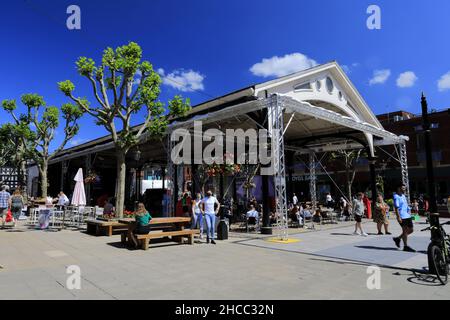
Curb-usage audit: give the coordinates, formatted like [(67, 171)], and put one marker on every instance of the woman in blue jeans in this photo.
[(210, 215)]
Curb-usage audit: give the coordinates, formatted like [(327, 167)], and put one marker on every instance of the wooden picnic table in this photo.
[(164, 227), (106, 227)]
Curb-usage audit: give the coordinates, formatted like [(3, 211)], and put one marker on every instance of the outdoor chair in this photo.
[(34, 214), (252, 221), (326, 216), (295, 222)]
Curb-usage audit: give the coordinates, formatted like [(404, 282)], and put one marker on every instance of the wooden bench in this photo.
[(99, 227), (177, 235)]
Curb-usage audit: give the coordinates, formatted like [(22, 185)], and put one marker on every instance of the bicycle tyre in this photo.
[(439, 264)]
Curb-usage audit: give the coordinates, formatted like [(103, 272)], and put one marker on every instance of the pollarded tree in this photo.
[(13, 152), (37, 130), (123, 86)]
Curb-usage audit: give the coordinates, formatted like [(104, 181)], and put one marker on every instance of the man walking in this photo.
[(4, 204), (358, 212), (209, 203), (403, 214)]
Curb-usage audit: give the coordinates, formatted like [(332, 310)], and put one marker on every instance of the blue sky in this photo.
[(211, 46)]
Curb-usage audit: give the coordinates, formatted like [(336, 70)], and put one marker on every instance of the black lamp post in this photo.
[(434, 216)]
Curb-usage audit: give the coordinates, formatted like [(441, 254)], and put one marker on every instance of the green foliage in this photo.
[(178, 107), (9, 105), (32, 100), (66, 87), (85, 66), (50, 118)]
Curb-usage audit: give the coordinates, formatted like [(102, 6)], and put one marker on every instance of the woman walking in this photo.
[(16, 203), (197, 214), (380, 218), (210, 215), (358, 212)]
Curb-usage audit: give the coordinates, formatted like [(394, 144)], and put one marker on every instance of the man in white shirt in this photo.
[(62, 200), (294, 199), (210, 215), (252, 213)]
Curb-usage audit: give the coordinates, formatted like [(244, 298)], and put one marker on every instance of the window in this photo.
[(340, 95), (330, 85), (318, 85), (303, 86), (398, 118)]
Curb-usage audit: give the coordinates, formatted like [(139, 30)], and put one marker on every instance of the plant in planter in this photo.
[(128, 214)]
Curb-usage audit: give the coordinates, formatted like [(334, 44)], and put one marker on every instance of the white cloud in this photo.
[(281, 66), (406, 79), (380, 76), (444, 82), (183, 80), (348, 68)]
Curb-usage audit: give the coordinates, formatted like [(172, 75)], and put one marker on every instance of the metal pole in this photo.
[(428, 154), (373, 182)]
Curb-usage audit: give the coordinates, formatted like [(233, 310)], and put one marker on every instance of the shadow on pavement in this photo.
[(424, 280), (377, 248)]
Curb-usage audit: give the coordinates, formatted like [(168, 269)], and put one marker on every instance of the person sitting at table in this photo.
[(108, 209), (317, 217), (252, 213), (143, 218), (305, 212), (63, 201)]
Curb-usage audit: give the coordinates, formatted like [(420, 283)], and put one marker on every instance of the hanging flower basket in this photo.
[(223, 169), (91, 178)]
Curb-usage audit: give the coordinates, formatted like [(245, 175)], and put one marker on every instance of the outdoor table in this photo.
[(165, 224)]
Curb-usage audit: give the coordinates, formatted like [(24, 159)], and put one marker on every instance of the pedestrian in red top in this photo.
[(367, 204)]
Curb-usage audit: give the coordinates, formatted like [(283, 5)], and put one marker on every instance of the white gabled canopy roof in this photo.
[(324, 102), (321, 104)]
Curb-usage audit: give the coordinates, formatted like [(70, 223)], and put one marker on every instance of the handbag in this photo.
[(9, 216)]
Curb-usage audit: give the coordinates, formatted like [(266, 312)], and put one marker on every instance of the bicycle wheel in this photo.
[(439, 264)]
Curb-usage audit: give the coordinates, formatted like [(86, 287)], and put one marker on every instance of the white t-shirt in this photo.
[(62, 200), (252, 213), (209, 204), (295, 200), (329, 197), (197, 206)]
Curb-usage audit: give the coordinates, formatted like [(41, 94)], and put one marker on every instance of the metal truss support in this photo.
[(312, 182), (171, 176), (404, 168), (306, 108), (275, 126)]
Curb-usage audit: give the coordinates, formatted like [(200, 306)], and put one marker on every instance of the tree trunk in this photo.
[(347, 180), (22, 170), (120, 183), (44, 178)]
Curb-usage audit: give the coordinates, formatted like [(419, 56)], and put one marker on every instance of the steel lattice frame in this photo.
[(276, 106), (170, 173), (404, 167), (312, 181), (276, 129)]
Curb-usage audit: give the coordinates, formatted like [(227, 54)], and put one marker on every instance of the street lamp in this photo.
[(428, 154)]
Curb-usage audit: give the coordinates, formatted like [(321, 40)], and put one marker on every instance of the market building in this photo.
[(307, 115)]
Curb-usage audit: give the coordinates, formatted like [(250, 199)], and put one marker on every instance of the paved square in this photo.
[(326, 264)]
